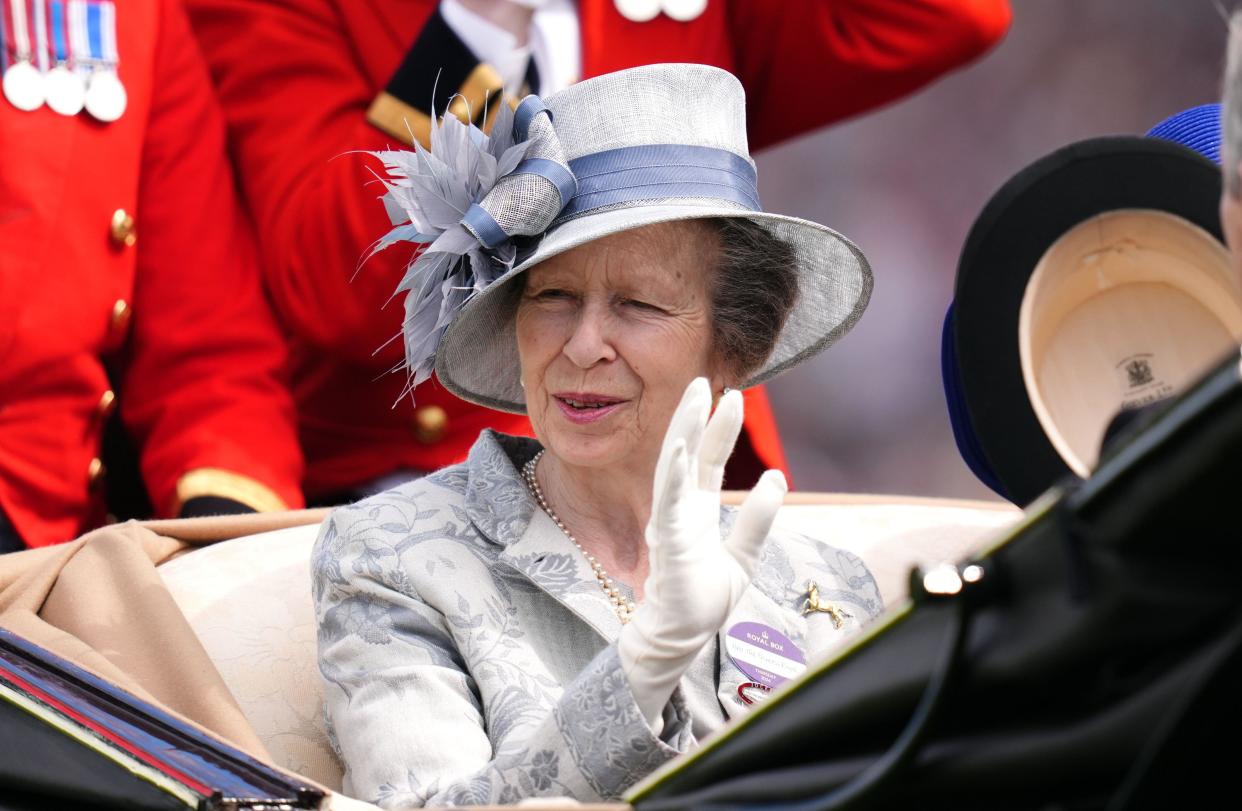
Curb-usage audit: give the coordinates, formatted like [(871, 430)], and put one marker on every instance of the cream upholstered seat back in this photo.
[(249, 602), (893, 533)]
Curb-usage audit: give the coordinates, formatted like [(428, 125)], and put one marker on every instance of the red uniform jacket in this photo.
[(171, 295), (297, 79)]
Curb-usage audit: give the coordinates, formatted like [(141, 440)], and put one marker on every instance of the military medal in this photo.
[(23, 86), (105, 95), (684, 10), (639, 11), (66, 93), (23, 83)]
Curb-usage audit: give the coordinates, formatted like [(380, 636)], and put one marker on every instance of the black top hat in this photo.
[(1094, 280)]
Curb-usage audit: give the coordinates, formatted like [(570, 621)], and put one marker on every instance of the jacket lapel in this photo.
[(501, 508), (550, 561)]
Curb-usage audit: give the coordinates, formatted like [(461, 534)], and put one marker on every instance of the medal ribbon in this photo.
[(110, 50), (101, 24), (94, 38), (60, 44), (79, 42), (40, 31), (19, 25), (4, 42)]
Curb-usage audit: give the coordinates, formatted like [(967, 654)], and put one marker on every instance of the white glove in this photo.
[(695, 580)]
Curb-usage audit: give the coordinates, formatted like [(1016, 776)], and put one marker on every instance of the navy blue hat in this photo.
[(1197, 128), (963, 432), (997, 433)]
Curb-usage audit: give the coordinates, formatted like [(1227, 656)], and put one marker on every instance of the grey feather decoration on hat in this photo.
[(465, 199)]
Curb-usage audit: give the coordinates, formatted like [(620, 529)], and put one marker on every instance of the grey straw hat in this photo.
[(641, 146)]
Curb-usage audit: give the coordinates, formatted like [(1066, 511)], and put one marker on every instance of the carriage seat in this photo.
[(249, 602)]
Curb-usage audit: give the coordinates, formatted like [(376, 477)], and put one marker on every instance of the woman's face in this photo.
[(609, 336)]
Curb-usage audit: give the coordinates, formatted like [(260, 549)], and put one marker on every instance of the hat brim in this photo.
[(478, 358), (1016, 228)]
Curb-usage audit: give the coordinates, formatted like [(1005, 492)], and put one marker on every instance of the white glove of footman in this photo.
[(695, 579)]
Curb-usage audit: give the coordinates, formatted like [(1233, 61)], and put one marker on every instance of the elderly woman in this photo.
[(561, 615)]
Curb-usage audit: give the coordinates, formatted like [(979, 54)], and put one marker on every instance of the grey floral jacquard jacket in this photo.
[(469, 654)]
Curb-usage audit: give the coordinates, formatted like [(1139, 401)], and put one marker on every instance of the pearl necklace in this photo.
[(622, 606)]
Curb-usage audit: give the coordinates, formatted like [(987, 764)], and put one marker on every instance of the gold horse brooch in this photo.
[(812, 604)]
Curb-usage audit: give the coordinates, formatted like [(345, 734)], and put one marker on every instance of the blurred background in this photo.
[(906, 184)]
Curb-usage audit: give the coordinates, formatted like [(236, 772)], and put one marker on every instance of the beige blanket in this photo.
[(99, 602)]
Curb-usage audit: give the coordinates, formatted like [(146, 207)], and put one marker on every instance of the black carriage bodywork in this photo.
[(1089, 659), (69, 739)]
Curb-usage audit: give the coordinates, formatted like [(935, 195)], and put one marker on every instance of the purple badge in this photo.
[(763, 653)]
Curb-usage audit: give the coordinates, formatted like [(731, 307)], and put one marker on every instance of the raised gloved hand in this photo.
[(695, 579)]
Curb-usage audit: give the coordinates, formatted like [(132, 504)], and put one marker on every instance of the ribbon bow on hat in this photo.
[(468, 197)]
